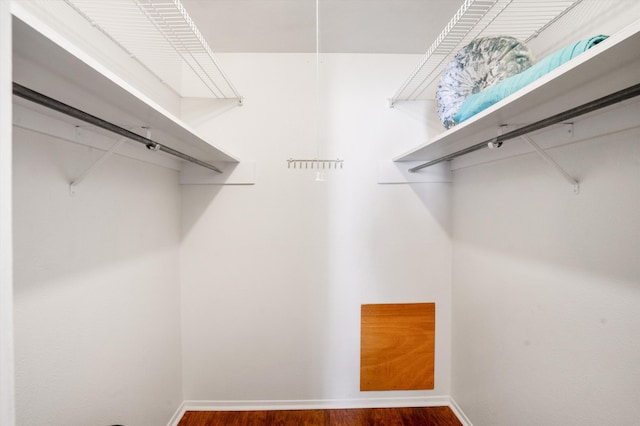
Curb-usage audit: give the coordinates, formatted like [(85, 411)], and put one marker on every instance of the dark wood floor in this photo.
[(430, 416)]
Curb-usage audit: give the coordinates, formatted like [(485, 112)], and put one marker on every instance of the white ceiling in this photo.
[(346, 26)]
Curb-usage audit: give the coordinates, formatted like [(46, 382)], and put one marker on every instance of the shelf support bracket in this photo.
[(574, 183), (77, 181)]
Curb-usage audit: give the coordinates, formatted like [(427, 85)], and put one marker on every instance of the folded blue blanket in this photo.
[(484, 99)]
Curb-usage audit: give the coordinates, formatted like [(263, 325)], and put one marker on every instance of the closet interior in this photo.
[(197, 230)]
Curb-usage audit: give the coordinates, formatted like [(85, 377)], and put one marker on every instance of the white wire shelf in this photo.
[(522, 19), (162, 37)]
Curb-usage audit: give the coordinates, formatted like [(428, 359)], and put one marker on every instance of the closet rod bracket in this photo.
[(569, 129), (553, 163), (73, 186)]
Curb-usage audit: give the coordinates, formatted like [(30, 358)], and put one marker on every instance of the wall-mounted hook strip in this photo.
[(314, 163)]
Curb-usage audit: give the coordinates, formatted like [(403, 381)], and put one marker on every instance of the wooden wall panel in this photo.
[(397, 346)]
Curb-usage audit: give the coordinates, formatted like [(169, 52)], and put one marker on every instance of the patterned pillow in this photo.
[(480, 64)]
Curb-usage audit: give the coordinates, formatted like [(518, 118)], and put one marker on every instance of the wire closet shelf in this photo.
[(163, 38), (522, 19)]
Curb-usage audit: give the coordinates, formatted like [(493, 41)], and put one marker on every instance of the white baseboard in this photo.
[(317, 404), (459, 413), (177, 416)]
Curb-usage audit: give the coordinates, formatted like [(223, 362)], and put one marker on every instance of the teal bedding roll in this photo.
[(484, 99)]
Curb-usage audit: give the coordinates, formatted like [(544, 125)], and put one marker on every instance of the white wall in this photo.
[(546, 285), (273, 275), (97, 321), (7, 403)]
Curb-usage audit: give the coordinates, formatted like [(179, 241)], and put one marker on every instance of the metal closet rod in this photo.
[(39, 98), (585, 108)]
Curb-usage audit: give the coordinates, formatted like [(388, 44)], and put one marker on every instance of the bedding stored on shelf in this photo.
[(480, 64), (478, 102)]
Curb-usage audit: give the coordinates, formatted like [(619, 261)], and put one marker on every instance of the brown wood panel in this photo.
[(397, 346), (422, 416)]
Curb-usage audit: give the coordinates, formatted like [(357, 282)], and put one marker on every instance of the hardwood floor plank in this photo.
[(421, 416), (298, 417)]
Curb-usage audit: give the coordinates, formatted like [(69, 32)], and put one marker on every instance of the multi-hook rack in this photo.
[(318, 164)]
